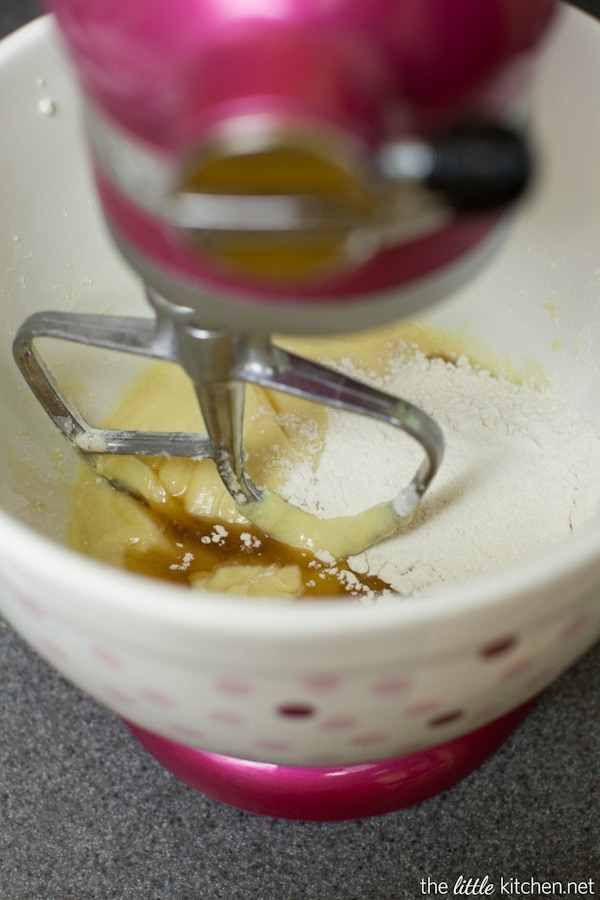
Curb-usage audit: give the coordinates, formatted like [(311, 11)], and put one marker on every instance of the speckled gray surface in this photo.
[(86, 813)]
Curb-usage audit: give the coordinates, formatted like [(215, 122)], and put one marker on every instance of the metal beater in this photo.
[(296, 167)]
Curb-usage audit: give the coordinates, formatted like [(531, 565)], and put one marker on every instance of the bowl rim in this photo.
[(146, 598)]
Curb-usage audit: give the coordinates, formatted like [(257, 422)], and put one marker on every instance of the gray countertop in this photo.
[(86, 813)]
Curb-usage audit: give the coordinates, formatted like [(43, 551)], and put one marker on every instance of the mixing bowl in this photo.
[(310, 711)]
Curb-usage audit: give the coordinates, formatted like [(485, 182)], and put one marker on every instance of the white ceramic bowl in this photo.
[(372, 683)]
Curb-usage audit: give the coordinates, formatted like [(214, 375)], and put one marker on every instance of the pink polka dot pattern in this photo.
[(226, 717), (272, 744), (30, 606), (375, 737), (53, 650), (338, 723), (576, 625), (116, 695), (233, 687), (445, 718), (106, 657), (186, 731), (519, 668), (359, 712), (538, 680), (21, 592), (390, 686), (421, 708), (157, 698), (296, 710), (321, 682), (498, 647)]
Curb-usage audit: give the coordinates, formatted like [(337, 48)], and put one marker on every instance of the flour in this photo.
[(519, 473)]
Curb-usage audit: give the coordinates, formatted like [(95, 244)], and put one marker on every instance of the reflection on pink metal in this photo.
[(335, 792), (165, 68)]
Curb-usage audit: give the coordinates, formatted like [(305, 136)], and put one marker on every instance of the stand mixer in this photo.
[(296, 167)]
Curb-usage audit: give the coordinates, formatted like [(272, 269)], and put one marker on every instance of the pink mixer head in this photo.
[(279, 154)]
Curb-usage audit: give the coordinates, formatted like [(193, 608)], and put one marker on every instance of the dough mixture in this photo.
[(517, 476)]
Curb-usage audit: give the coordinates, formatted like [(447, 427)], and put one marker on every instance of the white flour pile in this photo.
[(519, 473)]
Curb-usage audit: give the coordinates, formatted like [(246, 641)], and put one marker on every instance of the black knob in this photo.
[(480, 166)]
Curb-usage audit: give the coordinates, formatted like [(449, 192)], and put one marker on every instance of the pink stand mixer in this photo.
[(302, 168)]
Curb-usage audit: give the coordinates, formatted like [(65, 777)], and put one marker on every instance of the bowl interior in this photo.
[(537, 303)]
